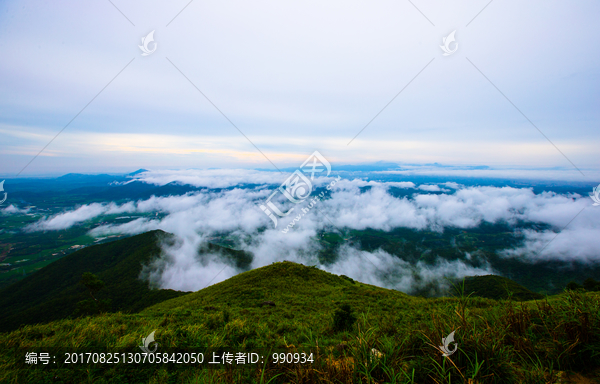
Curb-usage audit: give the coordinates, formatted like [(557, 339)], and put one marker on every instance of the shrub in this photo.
[(591, 285), (573, 286), (343, 318), (347, 278), (93, 305)]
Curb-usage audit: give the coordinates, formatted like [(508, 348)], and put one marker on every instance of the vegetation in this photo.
[(394, 339), (357, 333), (478, 247), (497, 287), (24, 252), (343, 318), (109, 275), (589, 285), (92, 306)]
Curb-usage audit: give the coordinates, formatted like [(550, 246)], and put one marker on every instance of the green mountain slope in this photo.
[(498, 287), (357, 333), (53, 292), (289, 289)]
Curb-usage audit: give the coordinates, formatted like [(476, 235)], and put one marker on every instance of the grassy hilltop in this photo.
[(357, 333)]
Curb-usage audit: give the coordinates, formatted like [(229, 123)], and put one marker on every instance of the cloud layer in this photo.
[(352, 204)]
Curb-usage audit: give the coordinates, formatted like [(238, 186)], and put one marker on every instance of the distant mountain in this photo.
[(137, 172), (438, 165), (138, 190), (497, 288), (84, 177), (373, 167), (53, 292)]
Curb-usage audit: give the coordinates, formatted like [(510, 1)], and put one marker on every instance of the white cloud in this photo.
[(429, 188), (504, 172), (13, 210), (83, 213), (211, 178), (385, 270), (194, 217), (181, 267), (578, 241), (453, 185)]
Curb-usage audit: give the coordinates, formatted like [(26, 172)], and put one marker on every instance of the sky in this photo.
[(262, 84)]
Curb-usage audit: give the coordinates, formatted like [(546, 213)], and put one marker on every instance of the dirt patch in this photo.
[(5, 249)]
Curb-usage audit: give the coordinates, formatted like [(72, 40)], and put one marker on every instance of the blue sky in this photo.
[(295, 77)]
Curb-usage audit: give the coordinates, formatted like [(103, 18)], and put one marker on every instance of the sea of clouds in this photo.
[(233, 209)]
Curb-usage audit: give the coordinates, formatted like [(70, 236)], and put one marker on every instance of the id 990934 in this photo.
[(292, 358)]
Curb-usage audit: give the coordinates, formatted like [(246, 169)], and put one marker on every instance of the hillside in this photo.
[(283, 294), (357, 333), (53, 292), (286, 283), (497, 288)]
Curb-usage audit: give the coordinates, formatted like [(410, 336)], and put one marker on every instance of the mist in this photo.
[(195, 217)]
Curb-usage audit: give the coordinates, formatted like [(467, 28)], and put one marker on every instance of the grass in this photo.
[(394, 339), (498, 287)]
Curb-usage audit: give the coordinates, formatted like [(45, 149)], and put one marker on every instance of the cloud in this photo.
[(400, 184), (465, 208), (522, 173), (578, 241), (429, 188), (453, 185), (13, 210), (385, 270), (182, 268), (211, 178), (234, 213), (83, 213), (358, 182), (288, 90), (134, 227)]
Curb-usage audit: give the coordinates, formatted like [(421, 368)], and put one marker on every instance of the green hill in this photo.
[(285, 292), (497, 288), (356, 333), (53, 292)]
